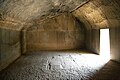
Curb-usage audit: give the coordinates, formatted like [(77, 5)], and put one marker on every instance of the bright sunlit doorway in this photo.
[(105, 44)]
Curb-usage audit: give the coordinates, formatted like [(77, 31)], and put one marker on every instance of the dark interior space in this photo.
[(59, 39)]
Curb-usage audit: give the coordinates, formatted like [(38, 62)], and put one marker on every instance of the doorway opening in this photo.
[(105, 44)]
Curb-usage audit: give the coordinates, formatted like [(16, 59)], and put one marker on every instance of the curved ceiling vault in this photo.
[(94, 13), (26, 10), (99, 14)]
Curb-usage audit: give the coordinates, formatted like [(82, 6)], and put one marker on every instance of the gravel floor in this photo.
[(61, 66)]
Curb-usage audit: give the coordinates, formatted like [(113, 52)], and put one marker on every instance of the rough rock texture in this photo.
[(99, 14), (26, 10), (59, 33), (61, 66)]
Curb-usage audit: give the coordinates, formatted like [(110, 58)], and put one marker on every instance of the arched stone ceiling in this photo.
[(94, 13), (99, 13), (27, 10)]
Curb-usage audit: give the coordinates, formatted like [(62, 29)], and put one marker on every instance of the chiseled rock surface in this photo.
[(10, 48), (59, 33), (99, 14), (25, 10), (61, 66)]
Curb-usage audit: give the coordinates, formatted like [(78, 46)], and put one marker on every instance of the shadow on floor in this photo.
[(111, 71)]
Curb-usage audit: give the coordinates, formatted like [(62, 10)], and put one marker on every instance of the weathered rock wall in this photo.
[(115, 43), (92, 40), (59, 33), (10, 47)]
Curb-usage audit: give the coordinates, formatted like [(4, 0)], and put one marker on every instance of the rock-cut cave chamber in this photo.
[(67, 28)]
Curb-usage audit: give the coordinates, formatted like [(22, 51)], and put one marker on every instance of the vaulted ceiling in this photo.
[(93, 13), (100, 13), (26, 10)]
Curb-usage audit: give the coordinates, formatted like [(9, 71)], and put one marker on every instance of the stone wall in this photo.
[(115, 43), (58, 33), (9, 44), (92, 40)]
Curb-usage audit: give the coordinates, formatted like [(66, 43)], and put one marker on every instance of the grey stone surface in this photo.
[(70, 65)]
